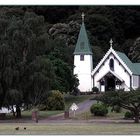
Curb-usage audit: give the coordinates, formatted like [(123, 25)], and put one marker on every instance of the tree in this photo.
[(134, 52), (41, 76), (22, 38), (64, 81), (11, 93), (66, 32), (14, 97), (127, 100)]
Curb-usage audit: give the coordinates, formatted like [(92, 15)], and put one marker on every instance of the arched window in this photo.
[(111, 64), (102, 82)]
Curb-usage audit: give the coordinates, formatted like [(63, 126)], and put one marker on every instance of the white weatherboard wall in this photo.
[(118, 69), (83, 70)]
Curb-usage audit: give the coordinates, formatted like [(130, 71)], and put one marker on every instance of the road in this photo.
[(83, 107)]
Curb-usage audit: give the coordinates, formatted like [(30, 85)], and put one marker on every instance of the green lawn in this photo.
[(70, 128), (111, 115), (42, 114)]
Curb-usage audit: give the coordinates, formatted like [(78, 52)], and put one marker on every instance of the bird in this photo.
[(17, 128), (24, 128)]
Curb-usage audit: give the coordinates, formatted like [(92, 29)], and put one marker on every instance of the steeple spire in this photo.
[(83, 45)]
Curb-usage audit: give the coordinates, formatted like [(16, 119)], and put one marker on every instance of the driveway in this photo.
[(82, 107)]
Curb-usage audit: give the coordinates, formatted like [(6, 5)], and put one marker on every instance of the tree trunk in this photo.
[(13, 112), (18, 112), (136, 117)]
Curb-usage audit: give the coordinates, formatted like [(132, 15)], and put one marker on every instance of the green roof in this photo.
[(137, 67), (83, 45), (134, 67)]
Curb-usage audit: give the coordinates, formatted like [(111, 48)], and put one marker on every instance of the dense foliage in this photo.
[(37, 44), (55, 101), (31, 63), (128, 115)]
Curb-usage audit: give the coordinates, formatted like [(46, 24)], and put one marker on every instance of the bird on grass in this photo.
[(17, 128)]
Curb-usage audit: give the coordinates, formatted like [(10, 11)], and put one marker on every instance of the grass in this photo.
[(70, 129), (74, 127), (111, 115), (42, 114)]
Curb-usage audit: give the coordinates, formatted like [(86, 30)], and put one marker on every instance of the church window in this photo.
[(136, 81), (111, 64), (81, 57), (102, 82), (82, 44), (118, 82)]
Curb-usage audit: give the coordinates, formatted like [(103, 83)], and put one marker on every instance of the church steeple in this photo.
[(82, 45), (83, 60)]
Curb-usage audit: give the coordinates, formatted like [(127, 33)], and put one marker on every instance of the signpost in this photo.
[(74, 107)]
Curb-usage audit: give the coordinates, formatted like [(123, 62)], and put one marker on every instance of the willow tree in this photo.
[(41, 77)]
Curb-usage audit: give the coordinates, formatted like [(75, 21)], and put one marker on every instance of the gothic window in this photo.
[(118, 82), (102, 82), (111, 64), (136, 81), (81, 57), (82, 44)]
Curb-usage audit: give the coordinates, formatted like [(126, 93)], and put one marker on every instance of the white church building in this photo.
[(115, 70)]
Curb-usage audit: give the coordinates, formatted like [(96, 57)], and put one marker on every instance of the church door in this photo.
[(110, 83)]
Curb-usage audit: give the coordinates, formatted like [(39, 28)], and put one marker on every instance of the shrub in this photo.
[(95, 89), (75, 91), (99, 109), (55, 101), (128, 115)]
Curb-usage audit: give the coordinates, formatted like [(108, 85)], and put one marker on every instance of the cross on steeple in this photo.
[(83, 16), (111, 43)]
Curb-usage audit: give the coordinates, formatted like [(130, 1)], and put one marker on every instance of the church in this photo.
[(115, 71)]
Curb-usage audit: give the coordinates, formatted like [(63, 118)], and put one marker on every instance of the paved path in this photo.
[(83, 107)]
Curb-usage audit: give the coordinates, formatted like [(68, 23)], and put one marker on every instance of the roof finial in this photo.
[(83, 16), (111, 43)]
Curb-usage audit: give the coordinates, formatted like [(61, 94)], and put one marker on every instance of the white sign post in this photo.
[(74, 107)]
